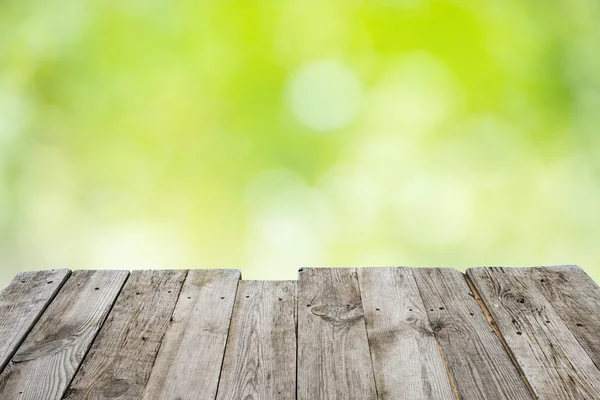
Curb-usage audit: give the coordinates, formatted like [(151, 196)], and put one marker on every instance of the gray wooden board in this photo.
[(576, 298), (260, 357), (21, 305), (406, 356), (46, 362), (189, 361), (480, 366), (333, 352), (119, 363), (551, 358)]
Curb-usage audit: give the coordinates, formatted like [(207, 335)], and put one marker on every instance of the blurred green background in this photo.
[(269, 135)]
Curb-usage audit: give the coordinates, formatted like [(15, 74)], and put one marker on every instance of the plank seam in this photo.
[(227, 338), (450, 377), (494, 327), (104, 318), (166, 330), (34, 323), (442, 355), (296, 322), (355, 275)]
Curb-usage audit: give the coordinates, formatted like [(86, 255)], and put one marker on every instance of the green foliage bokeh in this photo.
[(269, 135)]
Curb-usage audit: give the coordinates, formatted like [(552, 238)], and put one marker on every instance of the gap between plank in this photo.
[(112, 305), (296, 322), (227, 338), (442, 355), (34, 322), (450, 377), (355, 274), (492, 323), (187, 272)]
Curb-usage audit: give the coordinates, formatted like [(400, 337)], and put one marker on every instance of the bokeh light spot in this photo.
[(325, 95)]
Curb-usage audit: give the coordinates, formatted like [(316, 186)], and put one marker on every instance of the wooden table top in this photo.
[(336, 333)]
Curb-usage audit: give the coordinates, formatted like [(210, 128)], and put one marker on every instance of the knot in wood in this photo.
[(42, 350), (115, 388), (345, 314)]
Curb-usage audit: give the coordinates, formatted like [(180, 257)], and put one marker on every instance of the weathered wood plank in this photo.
[(260, 357), (121, 359), (333, 351), (46, 362), (21, 305), (406, 356), (480, 366), (190, 358), (551, 358), (576, 298)]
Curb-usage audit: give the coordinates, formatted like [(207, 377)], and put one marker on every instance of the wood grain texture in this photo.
[(119, 363), (551, 358), (21, 305), (406, 357), (481, 368), (333, 352), (260, 357), (191, 355), (46, 362), (576, 299)]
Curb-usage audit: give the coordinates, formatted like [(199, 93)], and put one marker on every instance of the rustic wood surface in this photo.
[(121, 359), (333, 353), (189, 362), (477, 361), (46, 362), (369, 333), (406, 357), (553, 361), (260, 358), (576, 298), (21, 305)]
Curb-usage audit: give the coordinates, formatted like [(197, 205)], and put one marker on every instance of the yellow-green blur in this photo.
[(268, 135)]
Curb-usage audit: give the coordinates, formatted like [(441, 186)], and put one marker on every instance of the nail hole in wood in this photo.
[(579, 324), (49, 282), (280, 299), (431, 309), (441, 308), (169, 291), (377, 309), (189, 297), (247, 297), (470, 313), (308, 305), (519, 333), (97, 288), (410, 309), (224, 297), (547, 322)]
